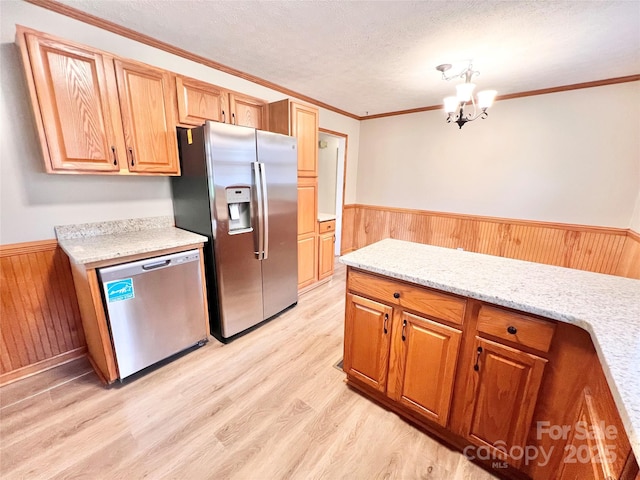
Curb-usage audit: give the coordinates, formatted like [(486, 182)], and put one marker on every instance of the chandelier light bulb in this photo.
[(464, 91), (451, 104), (485, 98)]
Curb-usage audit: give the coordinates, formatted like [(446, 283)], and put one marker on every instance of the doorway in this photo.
[(332, 160)]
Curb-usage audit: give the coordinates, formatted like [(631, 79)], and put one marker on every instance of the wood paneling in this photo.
[(40, 316), (629, 264), (596, 249)]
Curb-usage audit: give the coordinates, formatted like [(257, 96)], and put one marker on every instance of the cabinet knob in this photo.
[(396, 295), (512, 330)]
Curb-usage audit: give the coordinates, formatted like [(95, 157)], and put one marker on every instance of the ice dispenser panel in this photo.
[(239, 206)]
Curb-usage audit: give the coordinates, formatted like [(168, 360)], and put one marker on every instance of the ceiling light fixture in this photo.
[(454, 106)]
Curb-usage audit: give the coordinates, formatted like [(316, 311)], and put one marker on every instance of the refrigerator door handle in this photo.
[(265, 212), (257, 175)]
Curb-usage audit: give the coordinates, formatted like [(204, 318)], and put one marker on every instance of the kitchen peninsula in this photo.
[(480, 349)]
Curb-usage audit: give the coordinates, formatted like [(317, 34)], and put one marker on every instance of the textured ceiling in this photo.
[(380, 56)]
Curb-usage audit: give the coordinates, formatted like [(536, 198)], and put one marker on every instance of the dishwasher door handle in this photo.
[(153, 266)]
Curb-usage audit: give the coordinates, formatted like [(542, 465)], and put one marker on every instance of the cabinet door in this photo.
[(304, 122), (425, 354), (77, 106), (199, 101), (367, 337), (325, 255), (247, 111), (307, 206), (501, 397), (148, 118), (587, 458), (306, 260)]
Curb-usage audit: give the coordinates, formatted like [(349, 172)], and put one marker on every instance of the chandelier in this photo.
[(454, 106)]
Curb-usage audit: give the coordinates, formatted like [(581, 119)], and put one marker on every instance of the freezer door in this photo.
[(279, 159), (231, 152)]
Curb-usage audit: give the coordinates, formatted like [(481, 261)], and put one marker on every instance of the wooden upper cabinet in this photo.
[(300, 121), (501, 397), (247, 111), (367, 339), (98, 114), (148, 118), (75, 100), (305, 129), (425, 354), (199, 101)]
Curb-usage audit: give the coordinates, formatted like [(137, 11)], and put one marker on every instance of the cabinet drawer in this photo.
[(428, 302), (329, 226), (515, 327)]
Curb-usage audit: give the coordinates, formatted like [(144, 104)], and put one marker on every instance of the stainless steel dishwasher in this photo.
[(155, 308)]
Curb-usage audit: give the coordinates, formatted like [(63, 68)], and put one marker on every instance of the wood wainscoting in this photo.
[(41, 324), (613, 251)]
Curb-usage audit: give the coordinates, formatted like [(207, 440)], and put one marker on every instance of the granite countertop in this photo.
[(606, 306), (326, 217), (95, 242)]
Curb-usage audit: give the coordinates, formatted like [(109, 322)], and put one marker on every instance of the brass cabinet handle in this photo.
[(404, 325)]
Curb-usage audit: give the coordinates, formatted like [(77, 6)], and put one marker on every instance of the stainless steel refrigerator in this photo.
[(239, 188)]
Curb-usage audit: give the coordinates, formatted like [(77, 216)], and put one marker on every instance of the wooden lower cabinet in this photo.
[(307, 232), (588, 456), (488, 380), (306, 260), (326, 244), (367, 341), (503, 394), (425, 354), (405, 355)]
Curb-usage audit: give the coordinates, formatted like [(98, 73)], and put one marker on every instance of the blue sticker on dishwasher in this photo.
[(120, 290)]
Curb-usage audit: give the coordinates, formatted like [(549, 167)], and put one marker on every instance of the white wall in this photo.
[(569, 157), (32, 202), (634, 224), (327, 174)]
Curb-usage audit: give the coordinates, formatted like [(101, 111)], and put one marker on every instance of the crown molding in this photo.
[(112, 27)]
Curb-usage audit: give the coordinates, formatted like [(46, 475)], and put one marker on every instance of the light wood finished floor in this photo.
[(270, 405)]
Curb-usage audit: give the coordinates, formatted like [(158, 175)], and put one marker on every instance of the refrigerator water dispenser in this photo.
[(239, 209)]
